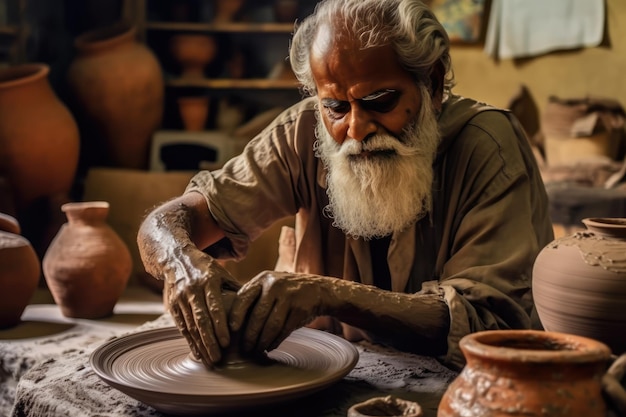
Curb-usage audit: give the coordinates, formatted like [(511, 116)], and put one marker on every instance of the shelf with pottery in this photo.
[(231, 27)]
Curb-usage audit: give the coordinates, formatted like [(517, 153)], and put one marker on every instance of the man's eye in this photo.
[(338, 109), (383, 103)]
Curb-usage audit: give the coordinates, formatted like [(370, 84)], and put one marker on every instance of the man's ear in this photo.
[(437, 77)]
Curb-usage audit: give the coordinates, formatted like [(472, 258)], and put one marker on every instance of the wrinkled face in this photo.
[(361, 92), (377, 136)]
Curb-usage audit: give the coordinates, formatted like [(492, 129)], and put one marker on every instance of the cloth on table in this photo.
[(66, 385)]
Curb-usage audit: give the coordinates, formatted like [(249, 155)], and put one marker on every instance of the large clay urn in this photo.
[(119, 90), (87, 265), (39, 138), (530, 373), (19, 271), (579, 283)]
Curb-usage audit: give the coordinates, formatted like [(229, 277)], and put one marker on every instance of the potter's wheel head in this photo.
[(156, 368)]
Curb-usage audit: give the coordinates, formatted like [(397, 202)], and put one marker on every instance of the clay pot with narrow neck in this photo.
[(87, 265), (530, 373), (579, 283), (118, 87), (19, 272), (39, 138)]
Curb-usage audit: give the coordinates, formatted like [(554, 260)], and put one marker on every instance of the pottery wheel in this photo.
[(157, 368)]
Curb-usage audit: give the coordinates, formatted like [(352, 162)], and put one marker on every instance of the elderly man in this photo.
[(418, 213)]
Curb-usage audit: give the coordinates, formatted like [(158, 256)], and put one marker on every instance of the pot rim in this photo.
[(560, 347), (105, 37), (21, 74), (80, 205)]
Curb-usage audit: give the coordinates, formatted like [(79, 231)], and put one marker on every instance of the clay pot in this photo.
[(119, 89), (389, 406), (226, 10), (579, 283), (194, 112), (528, 372), (193, 52), (285, 11), (87, 265), (19, 272), (39, 139)]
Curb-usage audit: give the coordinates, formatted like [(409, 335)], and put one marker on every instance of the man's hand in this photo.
[(195, 302), (273, 304)]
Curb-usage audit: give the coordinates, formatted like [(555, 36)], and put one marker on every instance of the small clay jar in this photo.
[(193, 52), (19, 272), (528, 372), (87, 265), (389, 406), (194, 111)]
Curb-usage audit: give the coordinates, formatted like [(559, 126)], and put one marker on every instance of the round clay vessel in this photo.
[(193, 52), (87, 265), (389, 406), (528, 373), (19, 272), (118, 86), (194, 112), (39, 138), (579, 283)]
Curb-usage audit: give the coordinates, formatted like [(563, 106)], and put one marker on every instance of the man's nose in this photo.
[(361, 125)]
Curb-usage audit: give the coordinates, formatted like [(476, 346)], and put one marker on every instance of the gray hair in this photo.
[(419, 40)]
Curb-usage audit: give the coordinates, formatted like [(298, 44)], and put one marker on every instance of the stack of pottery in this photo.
[(19, 271), (118, 86), (87, 265)]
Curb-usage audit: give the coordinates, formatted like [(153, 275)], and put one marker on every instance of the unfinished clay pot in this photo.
[(528, 372), (19, 272), (87, 265), (579, 283)]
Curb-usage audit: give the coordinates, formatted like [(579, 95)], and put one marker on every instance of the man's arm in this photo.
[(170, 240)]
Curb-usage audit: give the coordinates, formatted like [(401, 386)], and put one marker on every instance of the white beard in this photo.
[(375, 196)]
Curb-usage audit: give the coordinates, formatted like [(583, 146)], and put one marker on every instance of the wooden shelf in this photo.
[(225, 83), (9, 30), (235, 27)]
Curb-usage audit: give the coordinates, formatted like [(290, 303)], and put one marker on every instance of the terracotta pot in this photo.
[(226, 10), (39, 139), (193, 52), (579, 283), (285, 11), (19, 272), (194, 112), (87, 265), (528, 373), (119, 88)]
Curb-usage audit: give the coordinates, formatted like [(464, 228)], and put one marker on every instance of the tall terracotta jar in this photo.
[(87, 265), (118, 86), (528, 373), (19, 271), (579, 283), (39, 138)]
